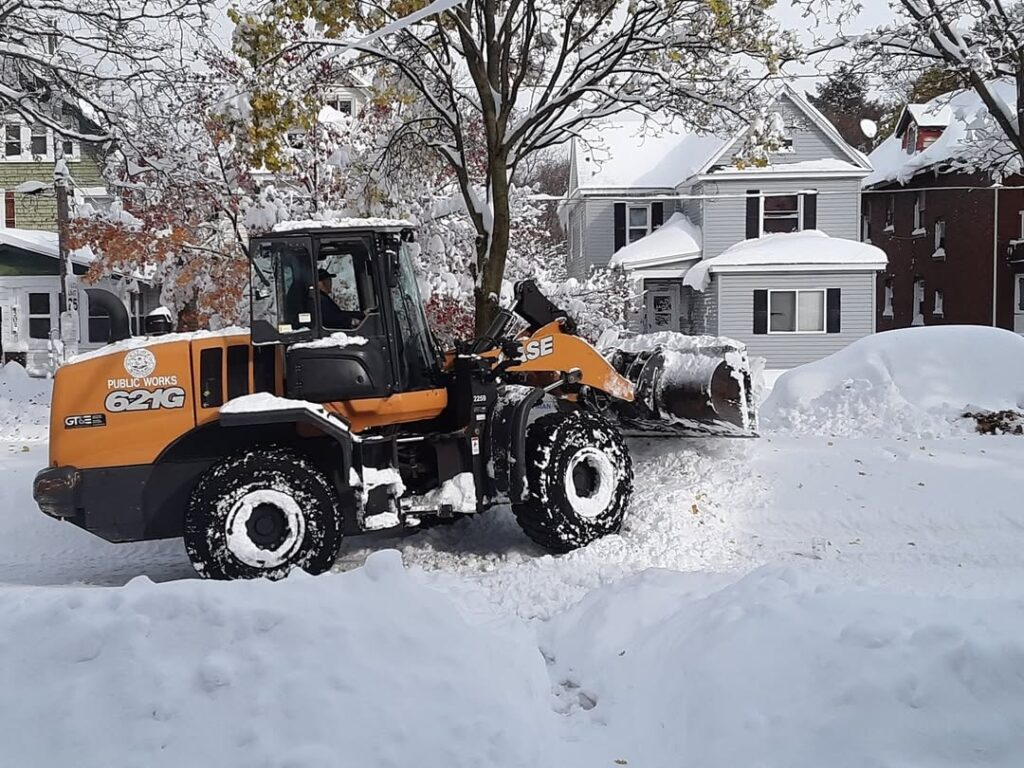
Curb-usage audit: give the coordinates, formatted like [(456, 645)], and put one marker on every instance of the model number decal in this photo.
[(539, 348), (121, 400)]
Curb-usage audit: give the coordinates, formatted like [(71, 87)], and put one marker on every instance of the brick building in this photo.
[(954, 240)]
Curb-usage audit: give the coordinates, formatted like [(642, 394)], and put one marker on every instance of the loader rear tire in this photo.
[(261, 513), (579, 481)]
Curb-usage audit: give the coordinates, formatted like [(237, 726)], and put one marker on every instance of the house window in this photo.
[(911, 139), (39, 315), (889, 215), (918, 302), (940, 239), (1020, 293), (10, 218), (796, 311), (937, 305), (342, 104), (1021, 234), (38, 140), (24, 144), (865, 223), (780, 213), (639, 222), (887, 301), (12, 140), (918, 211)]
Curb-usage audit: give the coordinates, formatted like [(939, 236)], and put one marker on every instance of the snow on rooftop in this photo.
[(630, 152), (344, 223), (931, 114), (677, 239), (792, 251), (42, 242), (966, 111), (824, 165)]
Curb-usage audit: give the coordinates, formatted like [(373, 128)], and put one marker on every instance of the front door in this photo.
[(1018, 304), (662, 307)]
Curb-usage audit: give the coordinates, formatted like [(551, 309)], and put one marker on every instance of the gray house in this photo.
[(656, 203)]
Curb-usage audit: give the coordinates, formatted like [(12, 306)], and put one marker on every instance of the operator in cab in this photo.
[(331, 315)]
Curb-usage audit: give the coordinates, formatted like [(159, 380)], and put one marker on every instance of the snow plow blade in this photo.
[(685, 385)]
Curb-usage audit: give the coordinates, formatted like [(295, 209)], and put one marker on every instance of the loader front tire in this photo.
[(579, 481), (261, 513)]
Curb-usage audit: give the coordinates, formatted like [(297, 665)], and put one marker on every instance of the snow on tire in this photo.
[(579, 480), (260, 514)]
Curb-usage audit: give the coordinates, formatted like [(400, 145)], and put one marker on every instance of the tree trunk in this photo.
[(491, 256)]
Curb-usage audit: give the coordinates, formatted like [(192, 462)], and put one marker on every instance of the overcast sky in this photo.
[(873, 13)]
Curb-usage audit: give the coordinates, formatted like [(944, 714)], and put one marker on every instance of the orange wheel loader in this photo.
[(337, 413)]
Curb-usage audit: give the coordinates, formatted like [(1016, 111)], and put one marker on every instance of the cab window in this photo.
[(344, 284)]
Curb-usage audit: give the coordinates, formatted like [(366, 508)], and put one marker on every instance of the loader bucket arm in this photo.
[(550, 352)]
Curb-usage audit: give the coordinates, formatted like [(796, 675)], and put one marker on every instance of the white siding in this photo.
[(809, 141), (786, 350), (725, 218), (599, 244)]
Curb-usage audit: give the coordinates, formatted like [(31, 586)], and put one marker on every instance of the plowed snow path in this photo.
[(37, 550), (929, 516)]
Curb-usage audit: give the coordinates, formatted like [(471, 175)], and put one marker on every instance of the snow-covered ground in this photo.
[(817, 596)]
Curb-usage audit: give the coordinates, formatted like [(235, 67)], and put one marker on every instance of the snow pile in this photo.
[(784, 669), (24, 405), (305, 672), (810, 249), (335, 340), (264, 402), (344, 223), (914, 381), (138, 342), (677, 239)]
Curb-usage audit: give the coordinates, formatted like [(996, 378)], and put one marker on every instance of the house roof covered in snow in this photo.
[(807, 251), (662, 153), (968, 123), (42, 242), (930, 115), (632, 153), (678, 239)]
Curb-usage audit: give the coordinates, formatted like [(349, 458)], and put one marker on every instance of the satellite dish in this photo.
[(869, 128)]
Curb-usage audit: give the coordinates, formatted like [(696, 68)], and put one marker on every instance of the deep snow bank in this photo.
[(782, 669), (369, 668), (24, 405), (915, 381)]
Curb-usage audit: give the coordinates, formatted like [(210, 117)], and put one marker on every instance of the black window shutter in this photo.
[(657, 215), (753, 215), (620, 225), (811, 211), (832, 311), (760, 311)]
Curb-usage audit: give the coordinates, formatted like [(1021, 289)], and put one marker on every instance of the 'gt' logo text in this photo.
[(538, 348)]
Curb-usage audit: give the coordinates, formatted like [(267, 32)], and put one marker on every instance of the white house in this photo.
[(657, 203), (29, 299)]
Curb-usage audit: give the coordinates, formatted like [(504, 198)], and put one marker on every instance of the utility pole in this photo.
[(60, 189)]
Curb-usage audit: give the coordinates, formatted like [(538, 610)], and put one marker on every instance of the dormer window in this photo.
[(341, 104), (911, 139)]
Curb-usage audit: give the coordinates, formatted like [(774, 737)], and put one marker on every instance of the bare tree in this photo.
[(95, 55), (978, 44), (496, 81)]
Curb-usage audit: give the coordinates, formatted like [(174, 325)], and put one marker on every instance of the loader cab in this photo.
[(346, 306)]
